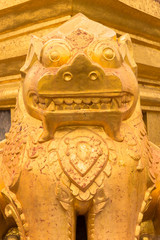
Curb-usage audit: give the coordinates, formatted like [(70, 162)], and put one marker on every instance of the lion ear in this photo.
[(32, 55), (126, 50)]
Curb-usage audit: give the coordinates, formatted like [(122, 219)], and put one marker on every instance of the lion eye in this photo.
[(55, 53), (105, 53), (54, 56), (108, 54)]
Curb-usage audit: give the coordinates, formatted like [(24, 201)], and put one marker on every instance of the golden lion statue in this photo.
[(77, 143)]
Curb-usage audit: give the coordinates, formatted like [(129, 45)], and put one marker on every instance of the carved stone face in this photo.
[(75, 76)]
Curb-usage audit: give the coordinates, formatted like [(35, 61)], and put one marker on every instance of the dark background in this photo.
[(5, 122)]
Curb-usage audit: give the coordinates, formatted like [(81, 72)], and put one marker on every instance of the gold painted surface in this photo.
[(32, 12), (150, 6), (8, 93), (120, 16), (153, 120), (7, 3), (78, 144)]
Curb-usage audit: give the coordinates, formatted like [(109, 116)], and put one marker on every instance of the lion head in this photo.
[(80, 75)]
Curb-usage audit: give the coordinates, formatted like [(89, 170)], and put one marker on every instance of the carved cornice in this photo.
[(150, 98), (116, 14), (148, 6), (8, 4), (8, 94), (121, 16), (35, 27)]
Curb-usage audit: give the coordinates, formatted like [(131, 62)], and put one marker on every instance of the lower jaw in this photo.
[(111, 122)]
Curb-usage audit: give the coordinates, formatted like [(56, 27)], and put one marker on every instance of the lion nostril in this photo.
[(93, 75), (67, 76)]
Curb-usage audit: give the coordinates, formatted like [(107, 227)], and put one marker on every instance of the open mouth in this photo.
[(120, 101)]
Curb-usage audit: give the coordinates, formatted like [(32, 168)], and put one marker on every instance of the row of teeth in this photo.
[(53, 104)]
